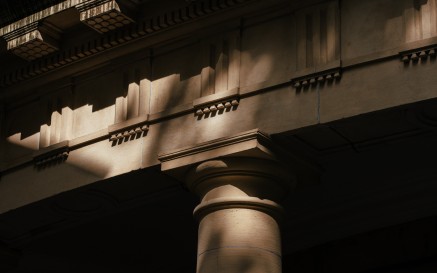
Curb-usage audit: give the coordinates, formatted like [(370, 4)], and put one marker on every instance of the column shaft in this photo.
[(239, 240), (238, 215)]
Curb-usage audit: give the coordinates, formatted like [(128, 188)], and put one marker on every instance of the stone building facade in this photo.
[(300, 134)]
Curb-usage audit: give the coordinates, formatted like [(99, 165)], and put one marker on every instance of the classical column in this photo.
[(240, 180), (239, 214)]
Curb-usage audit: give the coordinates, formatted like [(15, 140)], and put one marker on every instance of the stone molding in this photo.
[(103, 15), (144, 121), (253, 143), (134, 132), (33, 41), (216, 102), (262, 168), (158, 23), (132, 128), (261, 184), (39, 16), (27, 40), (51, 155), (415, 55), (192, 11), (59, 152), (221, 106), (269, 207), (318, 78)]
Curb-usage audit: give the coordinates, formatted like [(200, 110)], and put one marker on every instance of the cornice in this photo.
[(104, 42), (253, 143), (35, 17)]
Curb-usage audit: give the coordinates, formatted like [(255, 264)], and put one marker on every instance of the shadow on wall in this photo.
[(87, 103), (376, 26), (172, 76)]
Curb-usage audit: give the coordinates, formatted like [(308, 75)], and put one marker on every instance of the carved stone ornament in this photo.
[(51, 155), (418, 54), (33, 41), (214, 107), (315, 79), (129, 132), (103, 15), (129, 129)]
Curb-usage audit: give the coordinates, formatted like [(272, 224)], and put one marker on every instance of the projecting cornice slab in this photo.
[(249, 144), (252, 143)]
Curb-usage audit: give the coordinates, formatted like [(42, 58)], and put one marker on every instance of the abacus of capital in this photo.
[(239, 213)]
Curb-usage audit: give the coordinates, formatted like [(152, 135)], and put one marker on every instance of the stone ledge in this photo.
[(252, 143), (216, 102), (33, 41), (103, 134), (103, 15), (315, 79), (217, 97), (249, 144), (53, 154), (418, 54)]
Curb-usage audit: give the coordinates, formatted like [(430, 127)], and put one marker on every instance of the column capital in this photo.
[(261, 174), (253, 144), (239, 183), (240, 180), (241, 171)]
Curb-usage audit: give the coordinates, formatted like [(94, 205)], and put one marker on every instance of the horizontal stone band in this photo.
[(267, 206)]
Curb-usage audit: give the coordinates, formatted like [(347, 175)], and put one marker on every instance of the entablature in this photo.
[(39, 41)]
